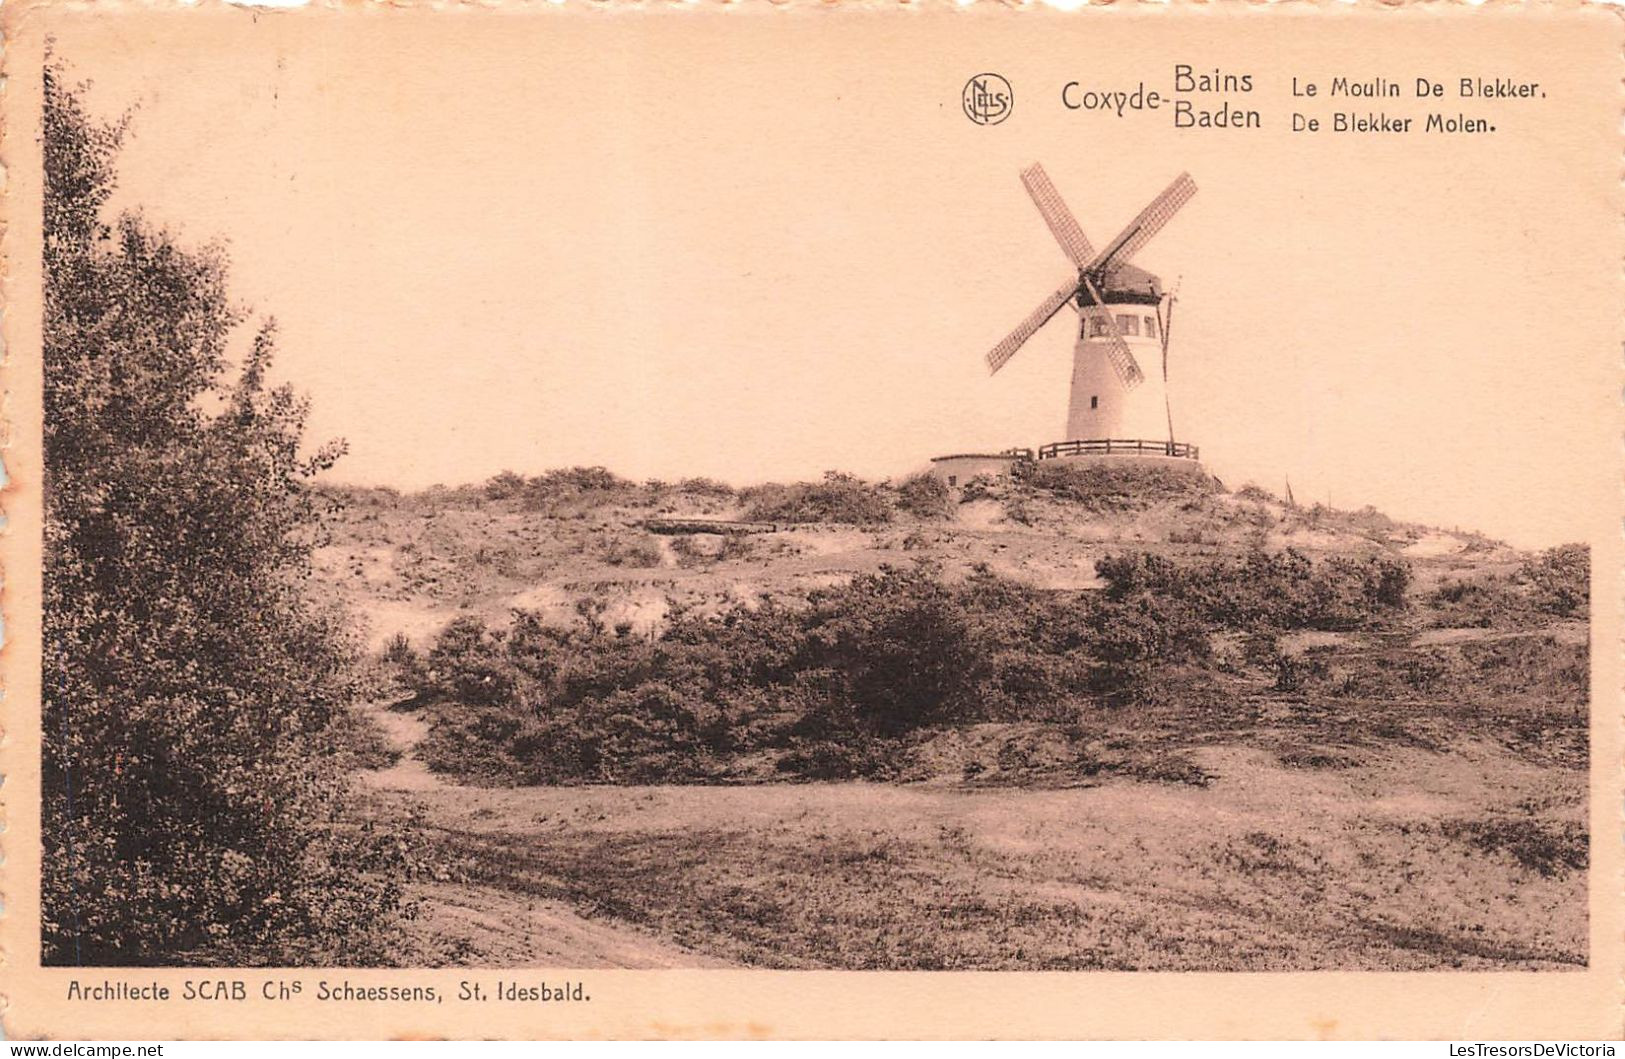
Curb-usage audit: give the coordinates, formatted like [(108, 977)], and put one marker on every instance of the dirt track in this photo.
[(1269, 868), (494, 927)]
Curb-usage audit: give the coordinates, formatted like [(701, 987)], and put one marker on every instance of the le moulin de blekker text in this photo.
[(1190, 82)]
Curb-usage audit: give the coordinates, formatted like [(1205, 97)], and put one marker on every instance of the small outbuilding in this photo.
[(960, 468)]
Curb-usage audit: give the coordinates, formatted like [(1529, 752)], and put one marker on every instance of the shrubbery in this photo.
[(505, 486), (867, 661), (639, 551), (924, 495), (398, 667), (1559, 580), (830, 685), (839, 497), (194, 697), (1264, 590), (984, 487), (703, 549), (561, 487), (573, 488), (707, 487), (575, 485), (1135, 634), (1367, 522), (469, 663), (903, 649), (1554, 584), (1098, 487)]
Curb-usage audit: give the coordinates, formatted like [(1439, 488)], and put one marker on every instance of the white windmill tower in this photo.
[(1117, 407)]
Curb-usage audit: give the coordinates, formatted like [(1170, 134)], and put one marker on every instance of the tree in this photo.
[(190, 794)]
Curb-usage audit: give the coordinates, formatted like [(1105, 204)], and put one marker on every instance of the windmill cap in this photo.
[(1131, 283)]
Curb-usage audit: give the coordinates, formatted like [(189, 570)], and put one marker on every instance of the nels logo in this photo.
[(987, 99)]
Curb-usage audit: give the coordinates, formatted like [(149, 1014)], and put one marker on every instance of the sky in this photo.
[(763, 245)]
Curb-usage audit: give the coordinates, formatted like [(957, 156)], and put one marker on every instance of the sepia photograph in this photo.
[(615, 491)]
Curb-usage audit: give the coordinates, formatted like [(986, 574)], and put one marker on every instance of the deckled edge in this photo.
[(8, 18), (14, 14), (1618, 597), (17, 9)]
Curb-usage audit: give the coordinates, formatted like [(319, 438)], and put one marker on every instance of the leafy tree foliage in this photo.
[(190, 793)]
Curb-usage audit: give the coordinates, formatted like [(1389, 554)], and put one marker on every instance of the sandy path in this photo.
[(1563, 632), (485, 927), (404, 731), (460, 924)]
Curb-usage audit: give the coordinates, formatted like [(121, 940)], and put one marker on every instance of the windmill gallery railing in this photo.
[(1118, 447)]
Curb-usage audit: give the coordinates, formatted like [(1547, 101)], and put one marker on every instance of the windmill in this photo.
[(1116, 403)]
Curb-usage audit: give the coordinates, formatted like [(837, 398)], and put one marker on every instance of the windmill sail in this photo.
[(1117, 351), (1061, 223), (1093, 268), (1006, 349), (1147, 224)]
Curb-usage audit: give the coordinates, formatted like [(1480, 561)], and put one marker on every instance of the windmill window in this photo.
[(1094, 402), (1129, 325), (1151, 327), (1098, 327), (953, 480)]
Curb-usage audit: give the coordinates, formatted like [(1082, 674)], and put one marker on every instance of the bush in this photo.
[(902, 644), (402, 658), (1480, 602), (845, 678), (469, 663), (575, 487), (984, 487), (475, 745), (1136, 634), (361, 738), (504, 486), (639, 552), (649, 732), (706, 549), (1384, 581), (925, 496), (1100, 487), (1554, 584), (398, 651), (706, 487), (1560, 580), (1281, 590), (570, 480), (840, 498)]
